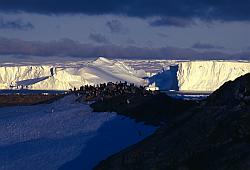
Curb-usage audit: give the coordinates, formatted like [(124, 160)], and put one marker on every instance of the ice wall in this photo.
[(208, 75), (165, 80), (10, 74), (38, 77), (181, 75)]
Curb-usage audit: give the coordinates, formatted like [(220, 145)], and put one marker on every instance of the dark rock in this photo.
[(155, 109), (214, 135)]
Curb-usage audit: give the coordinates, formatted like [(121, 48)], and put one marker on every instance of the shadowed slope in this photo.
[(214, 135)]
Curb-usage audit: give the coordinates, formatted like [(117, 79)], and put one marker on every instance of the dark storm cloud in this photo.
[(98, 38), (172, 21), (206, 46), (17, 24), (205, 9), (20, 47), (67, 47), (115, 26)]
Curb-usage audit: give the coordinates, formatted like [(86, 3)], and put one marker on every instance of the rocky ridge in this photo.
[(213, 135)]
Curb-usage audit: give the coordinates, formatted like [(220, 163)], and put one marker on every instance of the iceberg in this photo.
[(209, 75), (65, 77), (202, 76), (198, 76)]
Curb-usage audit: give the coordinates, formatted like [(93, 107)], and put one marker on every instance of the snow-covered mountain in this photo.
[(175, 75)]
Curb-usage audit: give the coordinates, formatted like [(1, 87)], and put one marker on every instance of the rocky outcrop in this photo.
[(232, 93), (151, 108), (213, 135)]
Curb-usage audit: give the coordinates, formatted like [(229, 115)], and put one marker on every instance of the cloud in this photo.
[(130, 41), (162, 35), (115, 26), (17, 24), (172, 21), (62, 47), (67, 47), (206, 46), (149, 43), (226, 10), (98, 38)]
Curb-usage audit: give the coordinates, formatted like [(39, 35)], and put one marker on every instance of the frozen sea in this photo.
[(63, 134)]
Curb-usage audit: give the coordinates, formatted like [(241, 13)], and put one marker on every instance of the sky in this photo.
[(164, 29)]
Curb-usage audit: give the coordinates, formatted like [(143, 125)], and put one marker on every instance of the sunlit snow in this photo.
[(159, 74)]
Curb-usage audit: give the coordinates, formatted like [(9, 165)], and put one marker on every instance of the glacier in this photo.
[(203, 76)]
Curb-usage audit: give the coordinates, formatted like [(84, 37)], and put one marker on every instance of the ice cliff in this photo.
[(198, 75), (208, 75), (178, 75)]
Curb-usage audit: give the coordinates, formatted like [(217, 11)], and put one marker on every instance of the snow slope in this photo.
[(68, 76), (47, 136)]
